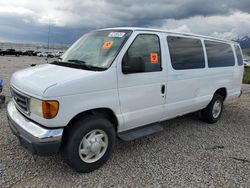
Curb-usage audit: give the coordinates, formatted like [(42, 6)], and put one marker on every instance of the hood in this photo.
[(36, 80)]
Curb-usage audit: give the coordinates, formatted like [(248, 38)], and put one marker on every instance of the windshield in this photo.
[(96, 49)]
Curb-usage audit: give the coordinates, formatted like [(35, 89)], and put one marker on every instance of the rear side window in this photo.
[(238, 54), (219, 54), (186, 53), (144, 55)]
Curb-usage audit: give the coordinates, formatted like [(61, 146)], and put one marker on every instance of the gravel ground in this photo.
[(189, 153)]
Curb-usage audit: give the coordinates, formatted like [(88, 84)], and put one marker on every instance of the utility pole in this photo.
[(49, 35)]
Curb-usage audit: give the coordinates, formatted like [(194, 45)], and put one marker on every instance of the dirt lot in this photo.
[(189, 153)]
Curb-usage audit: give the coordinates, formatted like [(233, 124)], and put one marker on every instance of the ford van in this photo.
[(120, 83)]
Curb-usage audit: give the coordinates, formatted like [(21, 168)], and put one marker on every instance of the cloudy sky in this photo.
[(28, 20)]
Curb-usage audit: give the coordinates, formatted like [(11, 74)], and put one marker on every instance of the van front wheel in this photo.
[(89, 143), (212, 113)]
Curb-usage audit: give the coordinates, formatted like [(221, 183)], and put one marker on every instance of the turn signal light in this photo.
[(50, 109)]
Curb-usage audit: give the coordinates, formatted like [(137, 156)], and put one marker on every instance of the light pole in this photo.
[(49, 35)]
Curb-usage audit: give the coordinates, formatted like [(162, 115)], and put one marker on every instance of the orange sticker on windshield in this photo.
[(153, 58), (107, 44)]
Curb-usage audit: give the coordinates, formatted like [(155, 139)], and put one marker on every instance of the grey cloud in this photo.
[(25, 29), (72, 18), (233, 26), (142, 12)]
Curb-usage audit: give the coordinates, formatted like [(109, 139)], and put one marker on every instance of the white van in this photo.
[(120, 83)]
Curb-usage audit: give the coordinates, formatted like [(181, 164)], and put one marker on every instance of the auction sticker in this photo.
[(153, 58), (107, 44), (116, 34)]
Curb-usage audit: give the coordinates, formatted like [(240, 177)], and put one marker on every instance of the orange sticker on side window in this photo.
[(107, 44), (153, 58)]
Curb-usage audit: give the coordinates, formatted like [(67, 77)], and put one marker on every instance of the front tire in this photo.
[(88, 143), (212, 113)]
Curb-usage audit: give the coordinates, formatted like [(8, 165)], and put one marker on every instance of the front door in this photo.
[(141, 80)]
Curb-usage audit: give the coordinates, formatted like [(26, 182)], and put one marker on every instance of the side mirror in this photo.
[(132, 65)]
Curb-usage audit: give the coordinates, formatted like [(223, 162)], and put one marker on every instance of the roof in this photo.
[(169, 32)]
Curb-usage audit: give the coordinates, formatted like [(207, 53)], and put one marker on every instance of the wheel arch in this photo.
[(104, 112), (222, 92)]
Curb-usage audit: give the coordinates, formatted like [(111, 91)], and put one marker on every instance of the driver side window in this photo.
[(144, 55)]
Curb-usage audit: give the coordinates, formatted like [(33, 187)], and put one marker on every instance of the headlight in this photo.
[(36, 107), (46, 109)]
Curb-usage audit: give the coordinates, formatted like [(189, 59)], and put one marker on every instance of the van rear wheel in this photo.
[(212, 113), (88, 143)]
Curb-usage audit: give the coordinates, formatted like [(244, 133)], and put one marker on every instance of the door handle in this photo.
[(163, 89)]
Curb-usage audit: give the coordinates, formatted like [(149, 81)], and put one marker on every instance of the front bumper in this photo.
[(37, 139)]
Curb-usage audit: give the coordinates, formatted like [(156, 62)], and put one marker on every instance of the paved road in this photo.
[(189, 153)]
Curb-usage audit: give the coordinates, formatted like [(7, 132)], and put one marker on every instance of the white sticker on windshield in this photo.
[(116, 34)]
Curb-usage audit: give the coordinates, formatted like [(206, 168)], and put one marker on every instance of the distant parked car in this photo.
[(58, 54), (247, 62), (42, 54), (34, 53), (39, 54), (51, 54), (28, 52), (11, 52), (46, 54)]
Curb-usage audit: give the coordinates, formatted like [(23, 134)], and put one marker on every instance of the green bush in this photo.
[(246, 77)]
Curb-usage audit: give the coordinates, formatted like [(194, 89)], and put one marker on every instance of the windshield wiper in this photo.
[(83, 64), (78, 64), (77, 61)]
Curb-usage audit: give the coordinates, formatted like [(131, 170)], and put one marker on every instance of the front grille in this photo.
[(21, 100)]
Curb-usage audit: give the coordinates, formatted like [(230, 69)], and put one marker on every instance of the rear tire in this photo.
[(88, 143), (212, 113)]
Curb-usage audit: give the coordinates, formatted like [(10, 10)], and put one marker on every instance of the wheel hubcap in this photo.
[(93, 146), (216, 109)]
